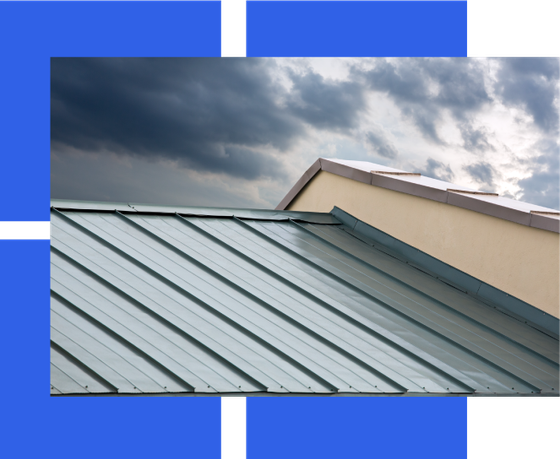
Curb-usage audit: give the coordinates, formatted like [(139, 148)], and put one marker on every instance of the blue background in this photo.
[(35, 425)]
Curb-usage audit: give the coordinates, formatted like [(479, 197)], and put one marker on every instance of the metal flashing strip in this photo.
[(545, 214), (251, 214), (61, 204), (511, 305), (414, 174), (483, 193)]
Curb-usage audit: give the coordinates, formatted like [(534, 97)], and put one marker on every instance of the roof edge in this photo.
[(451, 197), (223, 212), (492, 296), (299, 185), (304, 394)]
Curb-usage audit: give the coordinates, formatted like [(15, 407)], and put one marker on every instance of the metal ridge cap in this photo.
[(493, 209), (465, 199), (545, 222), (344, 170)]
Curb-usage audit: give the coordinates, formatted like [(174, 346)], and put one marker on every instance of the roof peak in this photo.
[(430, 188)]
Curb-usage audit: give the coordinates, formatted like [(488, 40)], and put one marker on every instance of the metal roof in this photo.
[(186, 301), (437, 190)]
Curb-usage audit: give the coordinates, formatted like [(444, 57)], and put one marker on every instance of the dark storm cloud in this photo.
[(481, 172), (531, 84), (438, 170), (197, 111), (207, 114), (475, 139), (543, 186), (425, 88), (378, 141), (325, 104)]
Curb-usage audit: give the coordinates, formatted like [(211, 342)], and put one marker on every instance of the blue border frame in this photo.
[(39, 425)]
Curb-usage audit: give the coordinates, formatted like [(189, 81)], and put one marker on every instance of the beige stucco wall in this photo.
[(520, 260)]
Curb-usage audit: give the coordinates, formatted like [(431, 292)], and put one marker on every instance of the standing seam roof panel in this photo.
[(147, 300), (386, 302)]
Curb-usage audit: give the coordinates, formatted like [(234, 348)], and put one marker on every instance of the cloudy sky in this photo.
[(231, 132)]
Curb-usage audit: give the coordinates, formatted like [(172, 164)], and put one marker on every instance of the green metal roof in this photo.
[(183, 301)]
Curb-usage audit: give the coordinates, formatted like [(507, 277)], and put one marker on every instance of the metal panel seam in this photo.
[(85, 391), (367, 328), (180, 290), (216, 275), (450, 309), (83, 366), (158, 317), (124, 342), (470, 343), (141, 307), (441, 336), (303, 293)]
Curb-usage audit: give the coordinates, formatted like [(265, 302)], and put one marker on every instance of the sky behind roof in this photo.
[(230, 132)]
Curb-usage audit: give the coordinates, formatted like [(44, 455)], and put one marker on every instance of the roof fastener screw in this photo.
[(86, 387), (240, 387), (208, 387)]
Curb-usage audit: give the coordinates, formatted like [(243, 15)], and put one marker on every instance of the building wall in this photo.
[(520, 260)]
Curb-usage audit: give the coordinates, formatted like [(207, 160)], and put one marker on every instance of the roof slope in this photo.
[(433, 189), (145, 300)]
